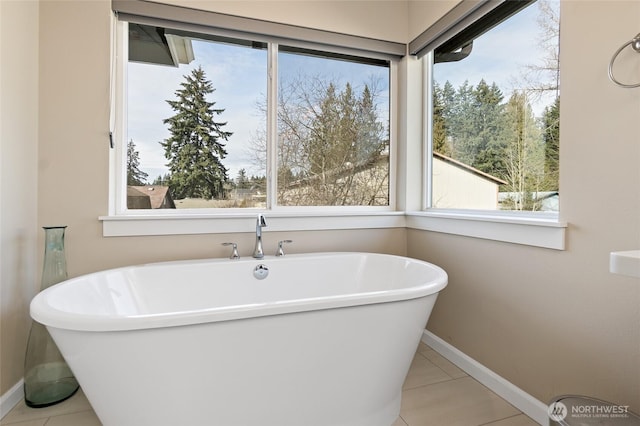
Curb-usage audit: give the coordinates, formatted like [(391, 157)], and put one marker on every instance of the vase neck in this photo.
[(54, 238), (55, 265)]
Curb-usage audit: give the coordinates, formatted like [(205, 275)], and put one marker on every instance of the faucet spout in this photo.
[(258, 253)]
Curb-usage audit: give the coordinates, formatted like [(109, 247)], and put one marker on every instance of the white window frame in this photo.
[(122, 221), (528, 228), (540, 231)]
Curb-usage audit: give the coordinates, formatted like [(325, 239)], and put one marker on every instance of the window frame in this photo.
[(408, 206), (121, 221), (540, 229)]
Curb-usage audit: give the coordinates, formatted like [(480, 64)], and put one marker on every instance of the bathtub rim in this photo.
[(50, 316)]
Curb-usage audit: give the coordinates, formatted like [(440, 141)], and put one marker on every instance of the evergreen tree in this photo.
[(327, 147), (162, 180), (196, 147), (443, 101), (551, 135), (135, 176), (438, 123), (327, 139), (345, 135), (467, 125), (242, 181), (346, 144), (448, 99), (323, 132), (462, 127), (488, 147), (371, 136)]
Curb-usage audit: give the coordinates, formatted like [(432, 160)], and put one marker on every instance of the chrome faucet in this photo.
[(234, 252), (260, 223), (280, 251)]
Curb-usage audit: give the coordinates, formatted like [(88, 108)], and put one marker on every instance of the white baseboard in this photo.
[(505, 389), (12, 397)]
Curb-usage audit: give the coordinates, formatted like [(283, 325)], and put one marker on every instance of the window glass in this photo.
[(192, 115), (333, 130), (495, 116), (196, 124)]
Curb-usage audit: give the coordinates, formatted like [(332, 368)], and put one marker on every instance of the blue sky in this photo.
[(239, 79), (239, 76), (500, 55)]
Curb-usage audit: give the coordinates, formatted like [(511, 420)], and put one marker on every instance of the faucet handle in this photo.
[(234, 253), (280, 251)]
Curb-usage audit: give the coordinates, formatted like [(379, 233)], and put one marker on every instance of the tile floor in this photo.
[(436, 392)]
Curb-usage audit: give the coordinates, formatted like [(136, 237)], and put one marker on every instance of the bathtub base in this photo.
[(333, 367)]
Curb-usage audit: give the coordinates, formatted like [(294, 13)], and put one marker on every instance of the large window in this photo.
[(209, 123), (494, 112)]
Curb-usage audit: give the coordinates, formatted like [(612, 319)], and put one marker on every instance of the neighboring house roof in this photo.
[(159, 195), (133, 191), (137, 199), (345, 170), (468, 168)]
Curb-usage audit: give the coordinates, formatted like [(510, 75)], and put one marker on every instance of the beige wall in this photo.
[(556, 322), (424, 13), (18, 184), (551, 322), (378, 19)]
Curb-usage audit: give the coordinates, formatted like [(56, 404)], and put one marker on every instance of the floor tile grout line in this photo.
[(427, 384), (445, 381), (47, 418), (504, 418), (436, 366), (88, 410), (473, 379), (445, 372)]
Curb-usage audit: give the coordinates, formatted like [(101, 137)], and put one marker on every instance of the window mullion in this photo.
[(427, 88), (119, 150), (272, 125)]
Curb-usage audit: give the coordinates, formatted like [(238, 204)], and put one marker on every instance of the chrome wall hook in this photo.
[(635, 45)]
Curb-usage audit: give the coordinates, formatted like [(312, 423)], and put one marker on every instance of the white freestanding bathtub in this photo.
[(315, 340)]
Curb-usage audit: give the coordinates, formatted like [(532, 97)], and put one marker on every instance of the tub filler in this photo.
[(301, 340)]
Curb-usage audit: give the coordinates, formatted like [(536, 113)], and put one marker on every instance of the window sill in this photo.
[(538, 230), (219, 223)]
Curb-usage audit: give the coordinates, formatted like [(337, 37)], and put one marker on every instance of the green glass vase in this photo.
[(48, 379)]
